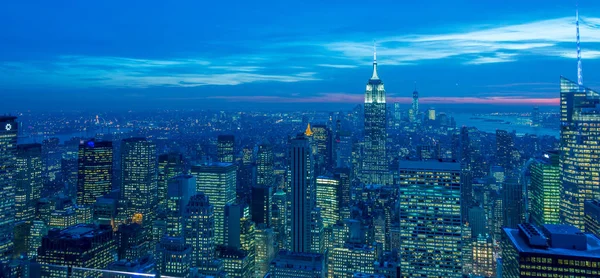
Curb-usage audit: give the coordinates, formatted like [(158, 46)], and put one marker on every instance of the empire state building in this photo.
[(375, 167)]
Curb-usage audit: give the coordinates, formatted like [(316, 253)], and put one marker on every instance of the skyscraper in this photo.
[(328, 199), (549, 251), (261, 204), (579, 137), (264, 165), (181, 189), (169, 165), (218, 182), (94, 171), (8, 149), (28, 180), (199, 231), (139, 191), (545, 189), (225, 148), (375, 164), (504, 148), (415, 105), (512, 203), (430, 218), (302, 193), (85, 246), (322, 138)]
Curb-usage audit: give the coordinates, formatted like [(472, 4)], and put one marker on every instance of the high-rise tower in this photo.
[(8, 149), (579, 137), (415, 104), (225, 148), (302, 193), (28, 178), (139, 191), (375, 167), (94, 171)]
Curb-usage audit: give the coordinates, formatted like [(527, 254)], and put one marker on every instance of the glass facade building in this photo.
[(430, 218), (545, 189), (94, 171), (579, 149)]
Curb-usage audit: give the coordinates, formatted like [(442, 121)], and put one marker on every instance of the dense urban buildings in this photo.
[(377, 190)]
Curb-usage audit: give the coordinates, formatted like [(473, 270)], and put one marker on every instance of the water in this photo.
[(516, 123)]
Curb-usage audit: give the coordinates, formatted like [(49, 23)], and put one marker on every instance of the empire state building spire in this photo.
[(374, 62)]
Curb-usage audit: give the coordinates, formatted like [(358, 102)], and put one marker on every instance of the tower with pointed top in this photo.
[(579, 68), (375, 167), (579, 140), (415, 103)]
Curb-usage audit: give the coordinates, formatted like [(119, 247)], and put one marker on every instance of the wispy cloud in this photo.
[(90, 71), (337, 66), (481, 44)]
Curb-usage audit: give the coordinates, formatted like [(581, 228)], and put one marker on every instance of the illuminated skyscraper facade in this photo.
[(351, 259), (504, 148), (579, 149), (84, 246), (375, 164), (225, 148), (430, 219), (323, 140), (28, 181), (94, 171), (169, 165), (218, 182), (199, 231), (139, 184), (545, 189), (8, 149), (328, 200)]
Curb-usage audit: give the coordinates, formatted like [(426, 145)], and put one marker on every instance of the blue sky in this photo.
[(203, 54)]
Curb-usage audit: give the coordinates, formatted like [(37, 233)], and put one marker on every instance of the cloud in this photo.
[(337, 66), (485, 44), (94, 71)]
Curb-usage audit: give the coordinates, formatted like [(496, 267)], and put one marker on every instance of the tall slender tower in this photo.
[(579, 68), (94, 171), (139, 184), (8, 149), (579, 137), (415, 103), (302, 193), (375, 168)]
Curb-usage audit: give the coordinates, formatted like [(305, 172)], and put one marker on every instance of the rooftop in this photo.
[(433, 164), (568, 241)]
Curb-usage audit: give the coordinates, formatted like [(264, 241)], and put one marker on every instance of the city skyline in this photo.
[(166, 56)]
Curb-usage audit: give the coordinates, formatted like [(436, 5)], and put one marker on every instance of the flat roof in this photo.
[(433, 164), (522, 245)]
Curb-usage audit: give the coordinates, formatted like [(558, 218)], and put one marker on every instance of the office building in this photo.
[(218, 182), (323, 141), (236, 262), (504, 148), (592, 217), (483, 262), (261, 204), (124, 268), (430, 218), (375, 165), (199, 231), (549, 251), (303, 195), (28, 180), (512, 203), (139, 184), (174, 257), (545, 189), (225, 148), (265, 250), (180, 191), (94, 171), (579, 137), (132, 243), (170, 165), (8, 149), (353, 258), (82, 246), (328, 200), (298, 265)]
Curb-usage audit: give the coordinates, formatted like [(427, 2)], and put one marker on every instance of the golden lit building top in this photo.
[(308, 132)]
